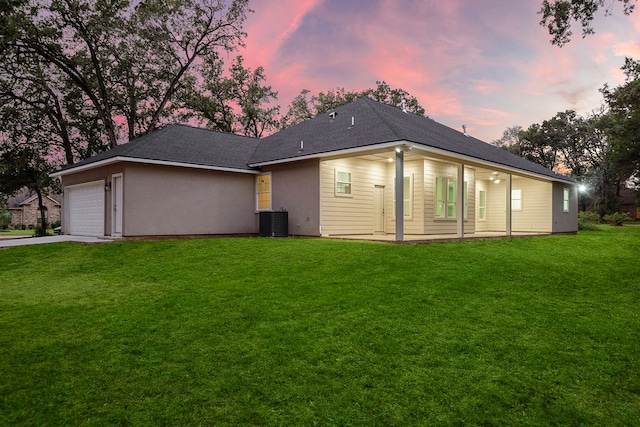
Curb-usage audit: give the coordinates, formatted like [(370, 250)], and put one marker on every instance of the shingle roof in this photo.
[(184, 144), (358, 125), (376, 123)]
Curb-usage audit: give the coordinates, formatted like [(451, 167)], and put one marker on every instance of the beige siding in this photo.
[(350, 214), (496, 206), (432, 170), (414, 222), (535, 215), (481, 185)]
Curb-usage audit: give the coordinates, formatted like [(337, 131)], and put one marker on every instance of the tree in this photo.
[(22, 166), (303, 108), (238, 103), (558, 15), (108, 59), (623, 124), (510, 138)]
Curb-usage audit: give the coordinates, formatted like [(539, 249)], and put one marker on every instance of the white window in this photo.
[(263, 191), (482, 205), (446, 189), (516, 200), (343, 183), (565, 200)]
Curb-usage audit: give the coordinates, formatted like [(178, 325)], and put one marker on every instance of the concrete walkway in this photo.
[(23, 241)]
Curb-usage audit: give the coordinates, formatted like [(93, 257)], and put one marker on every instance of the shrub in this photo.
[(617, 218), (23, 226), (588, 220), (5, 219), (55, 224), (40, 231)]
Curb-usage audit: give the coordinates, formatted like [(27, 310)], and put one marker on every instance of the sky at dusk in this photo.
[(483, 63)]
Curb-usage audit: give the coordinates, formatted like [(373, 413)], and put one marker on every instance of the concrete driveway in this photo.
[(23, 241)]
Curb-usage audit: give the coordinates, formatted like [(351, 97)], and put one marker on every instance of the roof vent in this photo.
[(404, 105), (464, 130), (333, 114)]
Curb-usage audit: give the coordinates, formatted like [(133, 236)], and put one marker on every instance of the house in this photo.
[(363, 169), (23, 208), (628, 202)]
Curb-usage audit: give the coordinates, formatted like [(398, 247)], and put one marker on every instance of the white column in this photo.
[(509, 187), (399, 186), (460, 201)]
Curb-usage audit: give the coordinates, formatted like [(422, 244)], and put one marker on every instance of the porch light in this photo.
[(107, 186), (497, 181), (582, 188)]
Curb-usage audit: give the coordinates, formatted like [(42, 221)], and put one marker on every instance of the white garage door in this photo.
[(85, 209)]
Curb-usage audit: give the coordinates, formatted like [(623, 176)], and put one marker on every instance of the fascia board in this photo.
[(417, 147), (337, 153), (146, 161), (487, 163)]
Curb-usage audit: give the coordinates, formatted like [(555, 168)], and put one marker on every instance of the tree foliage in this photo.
[(23, 166), (623, 121), (239, 102), (559, 15), (101, 71), (304, 107)]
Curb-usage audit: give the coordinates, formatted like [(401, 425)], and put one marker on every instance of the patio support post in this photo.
[(460, 198), (509, 187), (399, 187)]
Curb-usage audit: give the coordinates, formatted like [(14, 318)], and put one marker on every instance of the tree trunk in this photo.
[(41, 231)]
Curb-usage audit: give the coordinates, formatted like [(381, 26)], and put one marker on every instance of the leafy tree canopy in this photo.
[(304, 107), (559, 15)]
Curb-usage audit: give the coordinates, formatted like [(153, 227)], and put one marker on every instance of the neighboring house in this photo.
[(628, 202), (337, 174), (24, 209)]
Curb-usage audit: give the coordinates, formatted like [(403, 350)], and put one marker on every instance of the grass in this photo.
[(21, 232), (10, 232), (252, 331)]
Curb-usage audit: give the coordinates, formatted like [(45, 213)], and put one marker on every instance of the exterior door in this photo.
[(116, 203), (378, 209)]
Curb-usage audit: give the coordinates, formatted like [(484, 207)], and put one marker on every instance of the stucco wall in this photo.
[(565, 222), (166, 200), (163, 200), (98, 174), (296, 189)]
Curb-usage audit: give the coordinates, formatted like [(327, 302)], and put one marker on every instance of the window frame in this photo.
[(337, 182), (450, 184), (520, 204), (482, 205), (566, 196), (258, 192)]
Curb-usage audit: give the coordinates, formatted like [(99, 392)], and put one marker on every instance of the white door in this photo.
[(84, 206), (116, 203), (378, 209)]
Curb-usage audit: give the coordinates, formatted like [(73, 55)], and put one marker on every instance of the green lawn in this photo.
[(256, 331)]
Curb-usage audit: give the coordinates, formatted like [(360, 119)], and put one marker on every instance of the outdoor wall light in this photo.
[(107, 186), (582, 188)]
